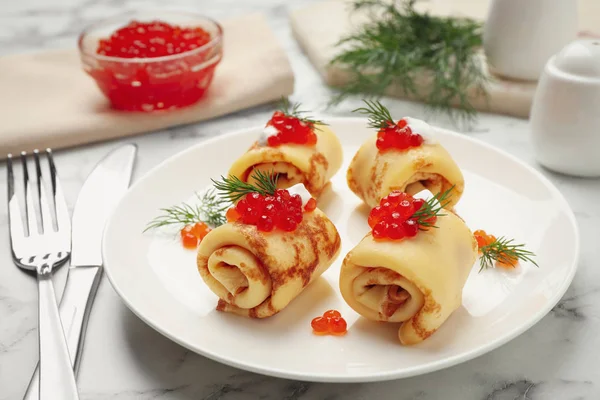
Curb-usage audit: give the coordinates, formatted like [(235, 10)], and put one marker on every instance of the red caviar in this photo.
[(147, 84), (232, 215), (331, 322), (332, 314), (338, 326), (189, 240), (311, 204), (484, 239), (291, 129), (191, 235), (397, 136), (393, 217), (320, 325), (507, 261), (152, 39), (282, 210)]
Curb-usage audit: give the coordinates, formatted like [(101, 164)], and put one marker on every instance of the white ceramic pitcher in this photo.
[(520, 36)]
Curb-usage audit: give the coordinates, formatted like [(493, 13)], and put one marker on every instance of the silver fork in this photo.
[(41, 250)]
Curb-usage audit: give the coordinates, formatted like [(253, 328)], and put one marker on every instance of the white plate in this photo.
[(159, 281)]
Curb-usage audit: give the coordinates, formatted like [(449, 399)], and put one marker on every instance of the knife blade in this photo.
[(102, 190)]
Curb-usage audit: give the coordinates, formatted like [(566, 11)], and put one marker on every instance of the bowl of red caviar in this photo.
[(152, 61)]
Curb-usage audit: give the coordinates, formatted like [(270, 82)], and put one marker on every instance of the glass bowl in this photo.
[(154, 83)]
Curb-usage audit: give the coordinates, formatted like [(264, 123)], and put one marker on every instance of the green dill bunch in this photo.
[(399, 50), (208, 208)]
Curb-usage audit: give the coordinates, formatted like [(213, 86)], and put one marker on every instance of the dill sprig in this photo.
[(213, 204), (432, 208), (233, 188), (409, 51), (293, 110), (379, 116), (504, 250), (210, 209)]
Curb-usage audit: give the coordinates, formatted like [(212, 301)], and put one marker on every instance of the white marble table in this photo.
[(125, 359)]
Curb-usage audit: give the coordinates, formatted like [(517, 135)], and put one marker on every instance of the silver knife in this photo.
[(100, 193)]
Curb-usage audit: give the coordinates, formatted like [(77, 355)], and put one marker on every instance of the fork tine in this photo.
[(32, 227), (15, 220), (63, 221), (42, 197)]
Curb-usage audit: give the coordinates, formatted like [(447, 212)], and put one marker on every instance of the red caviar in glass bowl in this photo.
[(152, 62)]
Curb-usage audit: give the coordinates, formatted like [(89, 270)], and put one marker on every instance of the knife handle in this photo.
[(78, 296)]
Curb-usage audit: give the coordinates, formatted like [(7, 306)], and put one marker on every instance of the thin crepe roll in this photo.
[(372, 174), (416, 281), (313, 166), (257, 274)]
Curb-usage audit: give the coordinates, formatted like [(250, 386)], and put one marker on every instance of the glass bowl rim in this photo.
[(216, 40)]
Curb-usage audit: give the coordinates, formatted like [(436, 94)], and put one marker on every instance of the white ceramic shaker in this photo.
[(521, 35), (565, 114)]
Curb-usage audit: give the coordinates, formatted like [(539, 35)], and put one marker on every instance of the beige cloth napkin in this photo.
[(319, 26), (46, 100)]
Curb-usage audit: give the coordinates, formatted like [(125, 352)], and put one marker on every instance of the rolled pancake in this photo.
[(373, 175), (313, 166), (416, 281), (257, 274)]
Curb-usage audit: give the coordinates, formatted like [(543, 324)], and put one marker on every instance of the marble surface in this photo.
[(125, 359)]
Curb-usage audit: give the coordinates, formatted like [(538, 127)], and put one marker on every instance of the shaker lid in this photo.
[(580, 58)]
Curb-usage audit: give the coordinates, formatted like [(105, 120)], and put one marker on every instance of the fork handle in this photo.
[(57, 379), (78, 296)]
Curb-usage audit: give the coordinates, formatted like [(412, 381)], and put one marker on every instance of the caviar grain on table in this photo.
[(191, 235), (330, 323), (484, 239)]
